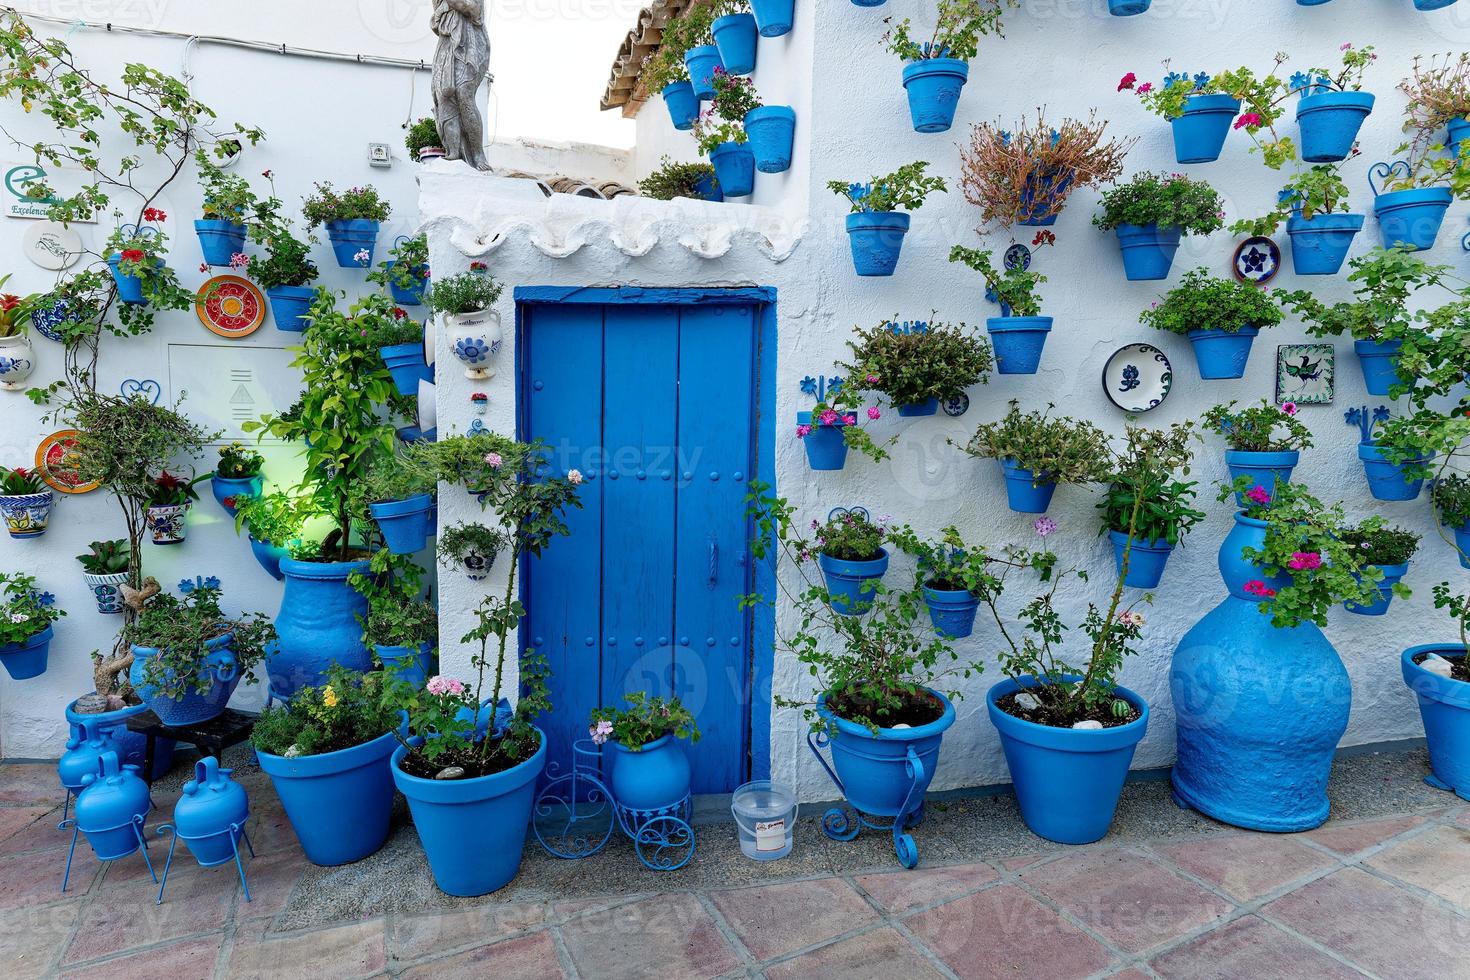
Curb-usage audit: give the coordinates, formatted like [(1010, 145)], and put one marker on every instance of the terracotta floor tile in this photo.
[(31, 937), (414, 936), (666, 936), (878, 955), (125, 918), (23, 828), (32, 878), (1437, 860), (773, 920), (30, 783), (192, 959), (1247, 866), (901, 891), (1351, 838), (1248, 949), (528, 958), (1015, 863), (358, 950)]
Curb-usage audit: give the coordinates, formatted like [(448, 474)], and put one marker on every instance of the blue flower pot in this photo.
[(734, 165), (1385, 479), (227, 489), (112, 808), (27, 658), (1264, 469), (876, 238), (194, 707), (655, 777), (707, 188), (1067, 781), (1222, 353), (1024, 492), (1411, 217), (1199, 133), (1462, 544), (1246, 532), (351, 237), (473, 830), (131, 747), (682, 103), (129, 287), (933, 86), (868, 3), (404, 523), (413, 295), (928, 406), (269, 556), (411, 664), (872, 768), (405, 362), (317, 625), (1456, 131), (771, 129), (1018, 341), (338, 802), (1147, 250), (290, 306), (1380, 364), (220, 241), (211, 813), (702, 61), (1391, 575), (1431, 4), (826, 449), (1036, 197), (1127, 8), (773, 17), (951, 611), (1145, 560), (1444, 705), (1311, 3), (735, 36), (851, 585), (1320, 243), (1330, 122)]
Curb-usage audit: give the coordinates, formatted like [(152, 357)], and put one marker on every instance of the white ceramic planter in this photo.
[(168, 525), (476, 566), (105, 590), (17, 361), (475, 338), (26, 515)]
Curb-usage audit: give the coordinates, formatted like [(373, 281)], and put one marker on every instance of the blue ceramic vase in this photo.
[(652, 778), (112, 808), (317, 625), (195, 706), (211, 813)]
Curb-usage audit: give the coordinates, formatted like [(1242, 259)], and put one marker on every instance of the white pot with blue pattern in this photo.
[(105, 590), (26, 515), (17, 361), (475, 339)]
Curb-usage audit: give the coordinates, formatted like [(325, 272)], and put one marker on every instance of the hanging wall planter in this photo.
[(404, 523), (317, 625), (129, 287), (27, 658), (290, 306), (682, 103), (406, 364), (734, 165), (1320, 243), (1444, 706), (735, 38), (1410, 217), (1199, 133), (702, 61), (876, 238), (413, 295), (104, 589), (217, 662), (851, 585), (17, 361), (220, 241), (1431, 4), (1386, 479), (773, 17), (338, 802), (1147, 250), (771, 130), (1391, 575), (1264, 469), (933, 86), (226, 489), (1329, 123), (475, 339), (1222, 354), (1026, 493), (268, 556), (168, 524), (350, 238), (409, 664), (1456, 131), (1128, 8), (1018, 341), (1380, 363), (951, 611), (826, 449), (918, 410), (26, 515), (1145, 560)]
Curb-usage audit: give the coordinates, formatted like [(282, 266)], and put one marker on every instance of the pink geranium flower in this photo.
[(802, 431), (1248, 119), (873, 413), (1257, 587), (439, 684), (1145, 88), (1127, 81), (1258, 495), (1304, 561), (1289, 408)]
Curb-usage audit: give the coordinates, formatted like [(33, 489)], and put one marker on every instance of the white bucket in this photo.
[(765, 813)]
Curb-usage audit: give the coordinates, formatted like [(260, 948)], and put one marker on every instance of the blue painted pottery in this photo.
[(1329, 122), (1147, 251), (774, 17), (1411, 217), (928, 406), (409, 664), (83, 753), (129, 287), (1145, 560), (1025, 492), (291, 306), (951, 611), (211, 813), (338, 802), (1127, 8), (707, 188), (350, 238), (472, 830), (682, 103), (876, 238), (873, 767), (194, 707), (934, 86), (227, 488), (104, 589), (1391, 575), (851, 585), (1067, 781), (734, 165), (406, 364), (404, 523), (1462, 544), (1036, 198), (1380, 363), (269, 556), (1320, 243), (1386, 479), (317, 625), (771, 130), (1265, 470), (1431, 4), (26, 515), (112, 807), (220, 241), (1199, 133), (735, 36), (1455, 133), (412, 295), (1444, 705), (652, 778), (702, 60), (131, 746), (27, 658), (1018, 341), (1222, 354), (826, 448)]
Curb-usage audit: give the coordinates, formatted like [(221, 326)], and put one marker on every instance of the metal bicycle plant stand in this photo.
[(588, 815), (839, 825)]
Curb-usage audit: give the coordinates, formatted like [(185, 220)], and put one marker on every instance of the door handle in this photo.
[(714, 562)]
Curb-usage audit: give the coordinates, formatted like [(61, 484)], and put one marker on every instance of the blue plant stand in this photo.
[(137, 826), (576, 815), (844, 823), (236, 833)]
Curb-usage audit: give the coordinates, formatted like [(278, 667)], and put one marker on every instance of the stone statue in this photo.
[(461, 62)]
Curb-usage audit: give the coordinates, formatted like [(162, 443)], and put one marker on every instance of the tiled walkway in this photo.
[(1386, 897)]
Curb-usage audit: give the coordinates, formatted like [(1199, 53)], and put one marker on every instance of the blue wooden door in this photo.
[(655, 405)]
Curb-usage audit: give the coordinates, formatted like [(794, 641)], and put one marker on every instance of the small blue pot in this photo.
[(1145, 560), (1018, 341), (1320, 243), (1391, 575), (1024, 493), (404, 523), (129, 287), (411, 664), (682, 103), (220, 241), (1456, 132), (1380, 364), (734, 165), (1037, 195), (873, 768), (269, 556), (226, 488), (1199, 133), (1385, 479), (702, 61), (1411, 217), (952, 611), (413, 295), (928, 406), (1462, 544), (735, 36), (852, 584), (405, 362), (868, 3), (1444, 705), (1067, 781), (131, 747), (826, 449), (211, 813), (1147, 250), (933, 86), (876, 237), (338, 802), (1311, 3), (473, 830), (1127, 8), (27, 658), (707, 188), (771, 130), (1330, 122), (773, 17), (1264, 469), (654, 777), (352, 236), (193, 708), (291, 306), (1222, 353)]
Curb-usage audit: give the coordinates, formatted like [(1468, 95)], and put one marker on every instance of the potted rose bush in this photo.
[(1020, 332), (1038, 451), (1263, 442), (918, 365), (26, 615), (1151, 212), (1221, 318), (876, 226)]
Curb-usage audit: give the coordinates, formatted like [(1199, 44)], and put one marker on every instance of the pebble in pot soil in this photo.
[(1459, 666), (918, 709), (1040, 714), (469, 765)]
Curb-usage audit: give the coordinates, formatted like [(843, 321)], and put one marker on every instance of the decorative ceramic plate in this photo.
[(956, 406), (230, 306), (1257, 260), (1138, 377), (51, 463)]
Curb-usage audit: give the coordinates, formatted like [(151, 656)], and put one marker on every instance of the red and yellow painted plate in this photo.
[(53, 467), (230, 306)]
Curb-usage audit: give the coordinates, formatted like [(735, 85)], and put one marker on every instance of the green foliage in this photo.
[(957, 30), (1386, 279), (25, 610), (19, 482), (465, 292), (665, 65), (850, 537), (355, 203), (1451, 496), (1204, 302), (1169, 201), (106, 558), (1145, 499), (347, 710), (15, 311), (673, 180), (142, 255), (645, 720), (1381, 544), (406, 267), (392, 477), (904, 189), (1254, 429), (1314, 191), (180, 627), (271, 518), (940, 361), (458, 540), (840, 407), (1436, 94), (237, 462), (1058, 448), (1014, 288), (226, 196), (398, 614), (422, 134), (287, 260)]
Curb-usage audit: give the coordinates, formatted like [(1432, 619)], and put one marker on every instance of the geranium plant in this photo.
[(646, 719), (1382, 544), (140, 250), (1437, 93), (1014, 287), (1262, 428), (1166, 200), (1204, 302), (1059, 447), (840, 403), (1144, 497), (354, 204), (917, 361), (24, 610), (958, 27), (287, 260), (1451, 497), (178, 628), (724, 121), (1310, 192), (347, 710), (422, 135), (904, 189)]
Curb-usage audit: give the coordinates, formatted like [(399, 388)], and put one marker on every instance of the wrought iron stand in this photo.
[(838, 824), (136, 824), (236, 832)]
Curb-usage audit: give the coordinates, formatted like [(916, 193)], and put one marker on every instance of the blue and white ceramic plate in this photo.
[(1137, 378), (1257, 260)]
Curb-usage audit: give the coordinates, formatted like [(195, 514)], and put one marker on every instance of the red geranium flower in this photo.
[(153, 214), (132, 255), (399, 313), (1127, 81)]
